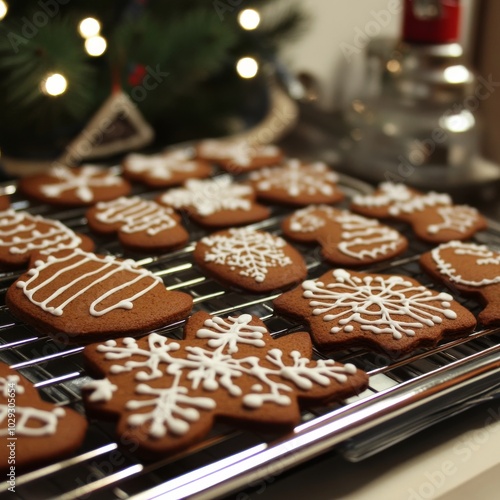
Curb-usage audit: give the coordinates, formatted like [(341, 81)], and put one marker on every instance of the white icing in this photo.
[(10, 382), (43, 422), (102, 390), (240, 152), (361, 238), (82, 181), (297, 179), (210, 196), (251, 252), (401, 200), (21, 233), (136, 215), (212, 367), (378, 305), (459, 218), (161, 166), (482, 256), (103, 269)]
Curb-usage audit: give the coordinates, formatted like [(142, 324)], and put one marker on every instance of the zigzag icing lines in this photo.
[(90, 271)]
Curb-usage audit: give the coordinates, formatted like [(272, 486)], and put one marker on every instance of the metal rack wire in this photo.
[(426, 387)]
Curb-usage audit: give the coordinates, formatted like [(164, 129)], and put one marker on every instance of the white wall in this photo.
[(332, 47)]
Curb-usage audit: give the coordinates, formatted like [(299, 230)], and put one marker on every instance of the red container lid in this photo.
[(431, 21)]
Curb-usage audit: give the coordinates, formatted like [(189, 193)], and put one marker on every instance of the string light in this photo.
[(95, 46), (247, 67), (54, 84), (249, 19), (89, 27), (3, 9)]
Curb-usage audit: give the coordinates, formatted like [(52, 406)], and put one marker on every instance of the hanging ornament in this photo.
[(117, 127)]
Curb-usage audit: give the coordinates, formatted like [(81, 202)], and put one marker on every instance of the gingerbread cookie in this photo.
[(253, 260), (216, 203), (170, 168), (88, 297), (470, 268), (33, 431), (238, 156), (168, 393), (432, 215), (23, 236), (142, 225), (4, 202), (391, 314), (296, 183), (346, 239), (78, 186)]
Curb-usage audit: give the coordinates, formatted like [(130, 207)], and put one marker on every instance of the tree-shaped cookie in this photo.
[(23, 236), (346, 239), (472, 269), (256, 261), (168, 393), (78, 186), (216, 203), (88, 296), (238, 156), (169, 168), (388, 313), (142, 225), (33, 431), (433, 216), (296, 183)]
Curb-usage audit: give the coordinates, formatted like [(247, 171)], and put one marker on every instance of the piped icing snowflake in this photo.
[(232, 363), (343, 234), (241, 153), (392, 313), (209, 196), (296, 181), (251, 253), (377, 304), (83, 180), (433, 215), (161, 166), (22, 233)]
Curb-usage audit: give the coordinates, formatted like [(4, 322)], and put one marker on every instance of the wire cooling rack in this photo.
[(403, 397)]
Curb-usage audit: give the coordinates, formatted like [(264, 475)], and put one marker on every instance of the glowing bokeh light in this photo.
[(247, 67)]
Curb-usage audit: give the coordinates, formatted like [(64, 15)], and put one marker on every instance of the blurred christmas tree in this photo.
[(175, 59)]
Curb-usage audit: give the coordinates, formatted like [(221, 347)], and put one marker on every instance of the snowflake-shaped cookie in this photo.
[(254, 260), (237, 156), (433, 216), (141, 224), (169, 168), (217, 202), (392, 314), (23, 236), (297, 183), (346, 239), (470, 268), (79, 186), (168, 393), (33, 430)]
